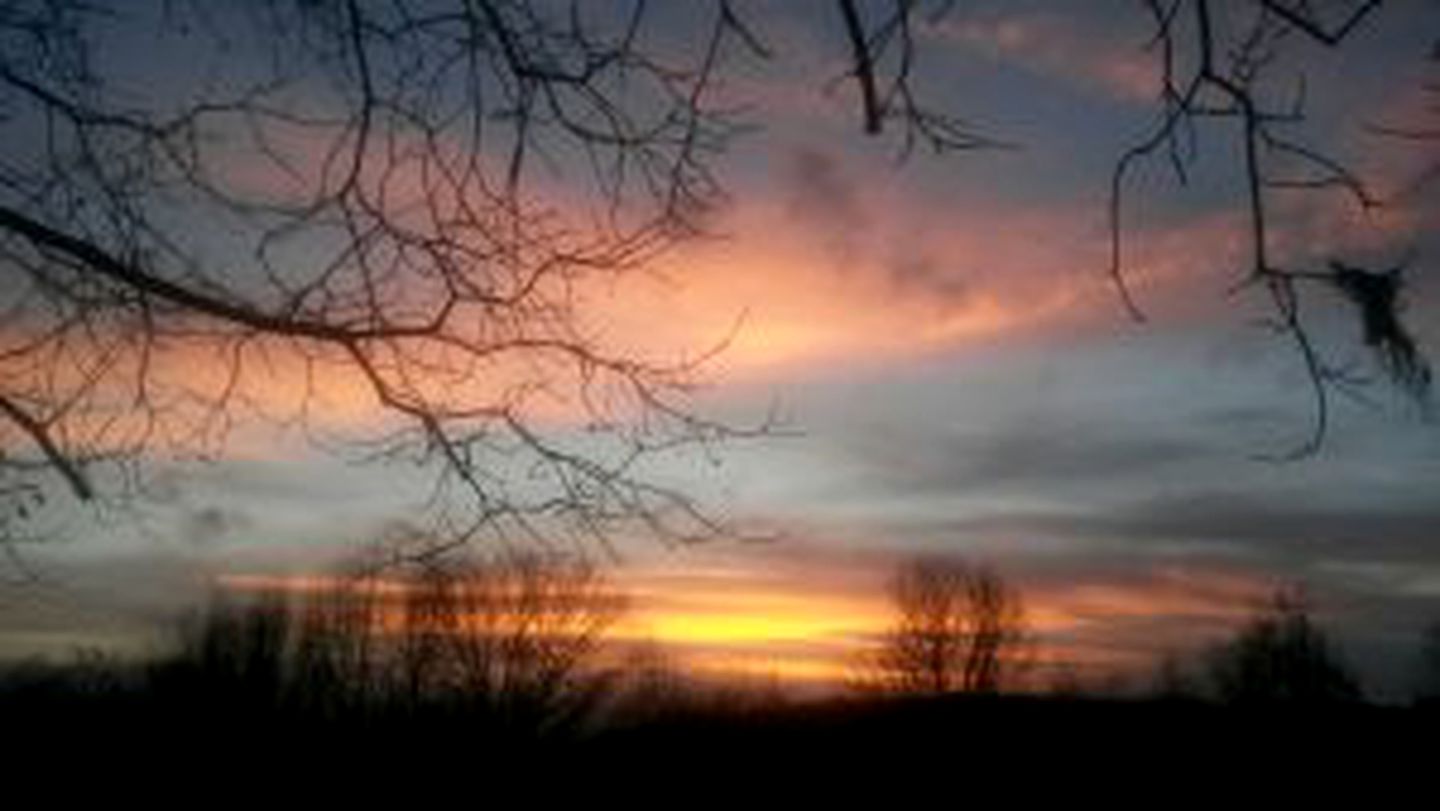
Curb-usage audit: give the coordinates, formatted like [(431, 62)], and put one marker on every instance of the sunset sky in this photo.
[(950, 368)]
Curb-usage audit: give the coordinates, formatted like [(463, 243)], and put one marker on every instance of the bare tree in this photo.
[(957, 627), (511, 641), (516, 636), (235, 649), (345, 193)]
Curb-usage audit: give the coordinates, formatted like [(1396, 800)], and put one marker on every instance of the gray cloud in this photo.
[(1279, 528), (211, 524), (1037, 454), (122, 604), (913, 268), (827, 201), (830, 203)]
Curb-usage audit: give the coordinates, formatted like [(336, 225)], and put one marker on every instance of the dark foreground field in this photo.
[(64, 710)]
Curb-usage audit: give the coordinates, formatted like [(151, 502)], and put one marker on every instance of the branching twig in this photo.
[(1223, 85)]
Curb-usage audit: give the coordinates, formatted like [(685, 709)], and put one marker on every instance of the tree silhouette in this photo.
[(1282, 656), (1217, 62), (515, 636), (957, 627), (511, 641), (344, 194), (238, 651), (1219, 66)]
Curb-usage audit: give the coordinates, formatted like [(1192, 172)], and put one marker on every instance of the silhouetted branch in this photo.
[(1298, 15), (864, 67), (1219, 82), (884, 43), (38, 432), (398, 235)]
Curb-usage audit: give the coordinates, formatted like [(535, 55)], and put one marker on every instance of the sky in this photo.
[(952, 370)]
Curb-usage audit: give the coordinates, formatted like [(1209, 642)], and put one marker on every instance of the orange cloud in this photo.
[(854, 269), (786, 293), (776, 299)]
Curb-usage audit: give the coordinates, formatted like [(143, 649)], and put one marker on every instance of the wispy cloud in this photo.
[(1103, 52)]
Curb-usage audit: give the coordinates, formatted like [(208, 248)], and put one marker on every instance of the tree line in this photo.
[(519, 642)]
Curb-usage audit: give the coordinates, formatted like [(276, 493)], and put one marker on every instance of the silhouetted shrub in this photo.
[(1281, 656)]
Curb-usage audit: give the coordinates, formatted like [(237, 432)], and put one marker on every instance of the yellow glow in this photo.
[(708, 629), (744, 620), (786, 669)]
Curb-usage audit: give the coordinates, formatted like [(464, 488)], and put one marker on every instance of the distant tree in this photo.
[(238, 649), (516, 636), (1282, 656), (509, 640), (957, 628)]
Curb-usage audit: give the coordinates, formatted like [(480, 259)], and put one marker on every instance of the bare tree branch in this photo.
[(1223, 84), (363, 197), (864, 67), (37, 431), (1296, 14), (883, 56)]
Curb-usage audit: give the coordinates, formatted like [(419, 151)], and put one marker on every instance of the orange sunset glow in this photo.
[(722, 619)]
